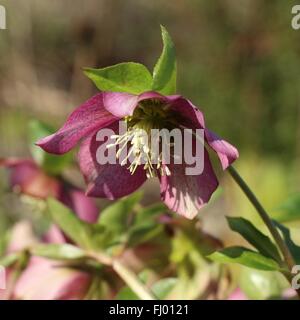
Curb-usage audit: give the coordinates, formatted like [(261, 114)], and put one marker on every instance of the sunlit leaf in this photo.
[(116, 216), (84, 234), (126, 294), (244, 257), (58, 251), (9, 259), (143, 233), (164, 73), (163, 287), (127, 77), (150, 213), (294, 249), (255, 237)]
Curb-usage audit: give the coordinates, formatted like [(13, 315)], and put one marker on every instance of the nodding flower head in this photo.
[(143, 114), (148, 116)]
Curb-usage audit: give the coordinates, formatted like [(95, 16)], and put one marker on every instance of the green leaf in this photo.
[(288, 211), (163, 287), (53, 164), (84, 234), (244, 257), (150, 213), (116, 216), (142, 233), (145, 226), (58, 251), (4, 234), (9, 259), (126, 294), (255, 237), (294, 249), (165, 70), (127, 77)]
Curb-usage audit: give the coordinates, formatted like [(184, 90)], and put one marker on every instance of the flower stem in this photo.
[(288, 258), (265, 217), (128, 276), (131, 279)]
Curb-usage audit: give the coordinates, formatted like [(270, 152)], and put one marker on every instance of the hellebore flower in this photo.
[(182, 193)]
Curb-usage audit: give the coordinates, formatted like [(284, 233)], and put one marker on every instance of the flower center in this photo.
[(149, 115)]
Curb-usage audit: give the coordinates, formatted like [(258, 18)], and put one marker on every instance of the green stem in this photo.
[(128, 276), (131, 279), (265, 217), (288, 258)]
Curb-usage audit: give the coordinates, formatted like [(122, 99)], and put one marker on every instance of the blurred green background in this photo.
[(237, 60)]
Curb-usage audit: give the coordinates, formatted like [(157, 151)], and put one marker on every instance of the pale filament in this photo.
[(142, 154)]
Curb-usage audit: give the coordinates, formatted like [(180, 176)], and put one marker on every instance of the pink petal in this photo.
[(21, 237), (84, 207), (190, 116), (85, 119), (23, 170), (30, 179), (5, 294), (54, 235), (110, 181), (123, 104), (44, 279), (226, 152), (120, 104), (193, 118), (154, 95), (187, 194), (237, 294)]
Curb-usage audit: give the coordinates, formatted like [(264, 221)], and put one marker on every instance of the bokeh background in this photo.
[(238, 60)]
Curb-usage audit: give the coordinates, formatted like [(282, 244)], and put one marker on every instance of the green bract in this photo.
[(164, 73), (135, 78), (127, 77)]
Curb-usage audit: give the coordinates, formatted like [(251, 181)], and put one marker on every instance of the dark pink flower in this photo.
[(182, 193)]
